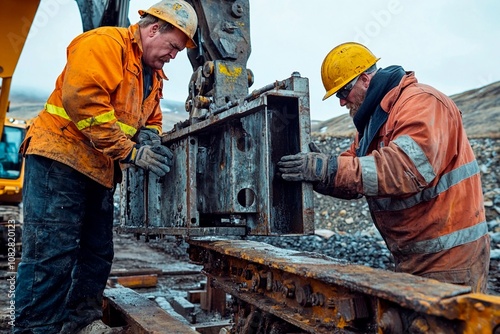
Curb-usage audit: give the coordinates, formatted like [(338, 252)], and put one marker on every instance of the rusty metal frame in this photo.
[(224, 179), (318, 294), (126, 309)]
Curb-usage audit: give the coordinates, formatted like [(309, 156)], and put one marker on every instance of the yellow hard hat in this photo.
[(344, 63), (178, 13)]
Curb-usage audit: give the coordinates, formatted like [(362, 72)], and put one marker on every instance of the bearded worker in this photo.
[(412, 161)]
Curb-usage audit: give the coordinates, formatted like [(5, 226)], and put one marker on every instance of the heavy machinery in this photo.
[(12, 131), (223, 187)]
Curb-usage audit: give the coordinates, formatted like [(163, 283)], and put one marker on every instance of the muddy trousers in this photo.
[(67, 249)]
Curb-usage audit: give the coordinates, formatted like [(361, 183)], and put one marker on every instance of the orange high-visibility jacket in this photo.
[(97, 105), (422, 183)]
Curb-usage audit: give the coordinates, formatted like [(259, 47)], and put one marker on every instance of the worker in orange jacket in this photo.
[(412, 161), (103, 114)]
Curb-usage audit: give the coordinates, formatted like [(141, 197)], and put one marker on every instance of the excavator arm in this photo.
[(98, 13), (220, 76), (15, 29)]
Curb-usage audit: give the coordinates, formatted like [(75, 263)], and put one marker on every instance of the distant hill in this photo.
[(480, 108)]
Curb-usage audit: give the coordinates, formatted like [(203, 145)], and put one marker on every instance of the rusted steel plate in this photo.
[(354, 277), (328, 293), (135, 281), (481, 312), (142, 315), (223, 178)]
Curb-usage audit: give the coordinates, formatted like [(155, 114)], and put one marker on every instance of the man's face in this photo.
[(160, 48), (354, 100), (356, 97)]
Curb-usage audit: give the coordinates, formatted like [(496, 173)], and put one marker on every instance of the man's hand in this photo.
[(147, 136), (304, 167), (157, 159)]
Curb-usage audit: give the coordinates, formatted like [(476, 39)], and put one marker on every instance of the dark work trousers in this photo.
[(67, 249)]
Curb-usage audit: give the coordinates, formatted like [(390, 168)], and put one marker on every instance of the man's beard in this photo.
[(353, 109), (354, 106)]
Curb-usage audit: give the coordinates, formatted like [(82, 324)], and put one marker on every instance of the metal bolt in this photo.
[(255, 281), (419, 326), (237, 9), (390, 322), (303, 295), (288, 289), (317, 299), (269, 281)]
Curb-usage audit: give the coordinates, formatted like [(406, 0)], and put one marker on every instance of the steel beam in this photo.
[(318, 294)]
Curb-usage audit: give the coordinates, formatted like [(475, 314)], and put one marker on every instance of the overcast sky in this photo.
[(452, 45)]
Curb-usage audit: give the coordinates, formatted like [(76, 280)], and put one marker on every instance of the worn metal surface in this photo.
[(223, 180), (125, 308), (219, 63), (98, 13), (318, 294)]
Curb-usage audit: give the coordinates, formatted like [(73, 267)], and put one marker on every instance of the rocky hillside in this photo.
[(480, 108)]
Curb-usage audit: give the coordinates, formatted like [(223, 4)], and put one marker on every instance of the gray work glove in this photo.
[(157, 159), (314, 166), (304, 167), (147, 136), (313, 147)]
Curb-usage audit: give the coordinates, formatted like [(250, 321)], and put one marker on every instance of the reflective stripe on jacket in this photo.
[(421, 181), (97, 105)]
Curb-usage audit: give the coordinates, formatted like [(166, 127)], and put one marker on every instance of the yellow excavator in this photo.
[(16, 19)]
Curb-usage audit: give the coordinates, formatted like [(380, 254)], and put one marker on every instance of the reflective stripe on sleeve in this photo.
[(445, 182), (369, 175), (446, 241), (417, 156), (95, 120), (54, 110), (129, 130)]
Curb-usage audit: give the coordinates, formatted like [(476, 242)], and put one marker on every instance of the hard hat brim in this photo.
[(190, 44)]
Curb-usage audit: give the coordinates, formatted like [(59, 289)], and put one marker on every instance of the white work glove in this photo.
[(157, 159)]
